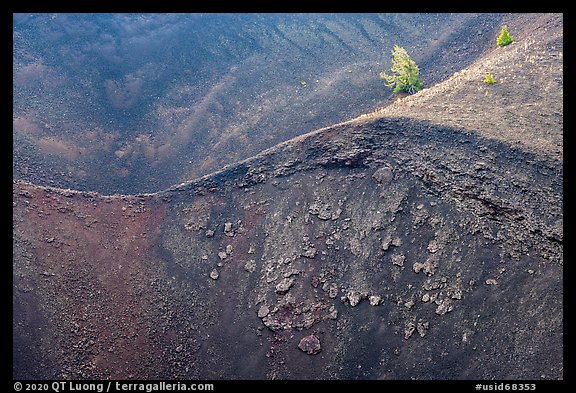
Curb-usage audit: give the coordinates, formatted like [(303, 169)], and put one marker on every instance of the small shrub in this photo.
[(489, 79), (504, 37)]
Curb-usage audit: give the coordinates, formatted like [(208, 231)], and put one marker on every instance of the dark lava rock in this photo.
[(284, 286), (263, 311), (310, 344), (383, 176)]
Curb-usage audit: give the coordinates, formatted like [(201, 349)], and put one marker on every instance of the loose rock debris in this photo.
[(310, 345)]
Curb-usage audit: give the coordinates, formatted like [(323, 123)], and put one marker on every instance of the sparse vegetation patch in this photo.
[(489, 79)]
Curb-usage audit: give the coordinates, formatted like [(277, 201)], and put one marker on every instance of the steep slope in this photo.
[(387, 246), (159, 99), (524, 108)]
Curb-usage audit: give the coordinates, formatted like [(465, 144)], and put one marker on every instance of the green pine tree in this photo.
[(504, 37), (405, 75)]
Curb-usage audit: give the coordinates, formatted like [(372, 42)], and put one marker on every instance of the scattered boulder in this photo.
[(188, 226), (228, 231), (336, 214), (284, 286), (480, 165), (444, 306), (354, 297), (291, 272), (309, 252), (386, 242), (314, 208), (192, 224), (214, 274), (456, 294), (331, 288), (222, 255), (398, 259), (383, 175), (409, 330), (324, 211), (333, 313), (250, 266), (429, 267), (433, 246), (355, 246), (263, 311), (491, 281), (375, 300), (310, 344), (431, 285), (422, 328)]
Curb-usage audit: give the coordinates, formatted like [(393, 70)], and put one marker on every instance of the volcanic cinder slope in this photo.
[(420, 241), (147, 96)]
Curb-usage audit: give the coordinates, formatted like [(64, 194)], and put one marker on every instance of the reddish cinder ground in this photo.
[(102, 301)]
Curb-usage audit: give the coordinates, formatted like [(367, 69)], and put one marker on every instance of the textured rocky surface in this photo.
[(158, 99), (425, 249), (383, 247)]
